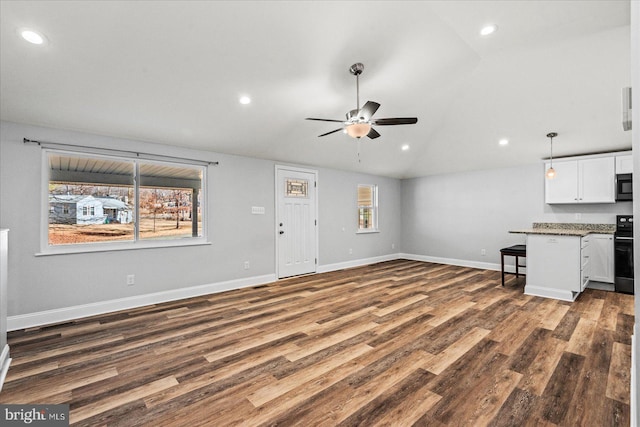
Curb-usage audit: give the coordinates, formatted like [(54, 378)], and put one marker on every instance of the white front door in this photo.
[(296, 221)]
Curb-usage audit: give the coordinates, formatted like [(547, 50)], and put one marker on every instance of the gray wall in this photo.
[(455, 216), (39, 283), (339, 219)]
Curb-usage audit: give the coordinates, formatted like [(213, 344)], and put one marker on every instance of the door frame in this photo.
[(279, 168)]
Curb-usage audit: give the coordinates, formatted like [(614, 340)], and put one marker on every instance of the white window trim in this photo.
[(368, 231), (46, 249), (376, 209)]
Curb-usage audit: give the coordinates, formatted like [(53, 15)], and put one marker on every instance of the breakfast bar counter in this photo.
[(558, 258)]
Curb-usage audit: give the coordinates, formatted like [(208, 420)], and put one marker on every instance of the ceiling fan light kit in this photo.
[(358, 130), (359, 122)]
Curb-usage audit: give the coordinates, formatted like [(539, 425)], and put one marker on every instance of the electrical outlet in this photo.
[(393, 246), (131, 279), (350, 251), (483, 252), (246, 265)]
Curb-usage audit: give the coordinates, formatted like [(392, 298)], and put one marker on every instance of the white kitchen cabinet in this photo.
[(4, 347), (597, 180), (624, 164), (582, 181), (556, 266), (601, 254), (585, 266), (564, 187)]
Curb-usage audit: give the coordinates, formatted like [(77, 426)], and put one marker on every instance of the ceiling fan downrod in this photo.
[(357, 69)]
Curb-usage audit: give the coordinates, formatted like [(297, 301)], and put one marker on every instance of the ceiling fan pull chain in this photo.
[(358, 150)]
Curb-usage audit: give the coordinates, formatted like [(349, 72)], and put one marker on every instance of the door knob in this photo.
[(280, 224), (281, 232)]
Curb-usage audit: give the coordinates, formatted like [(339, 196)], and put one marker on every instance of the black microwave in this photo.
[(624, 187)]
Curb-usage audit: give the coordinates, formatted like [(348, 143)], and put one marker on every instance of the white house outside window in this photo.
[(97, 199), (367, 208)]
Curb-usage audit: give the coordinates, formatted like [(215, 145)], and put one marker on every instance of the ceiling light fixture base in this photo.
[(356, 69)]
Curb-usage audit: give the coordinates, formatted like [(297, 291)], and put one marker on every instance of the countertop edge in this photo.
[(560, 232)]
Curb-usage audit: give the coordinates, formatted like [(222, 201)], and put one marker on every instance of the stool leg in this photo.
[(502, 262), (517, 263)]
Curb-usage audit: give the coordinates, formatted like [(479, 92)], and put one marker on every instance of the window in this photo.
[(367, 208), (297, 188), (97, 199)]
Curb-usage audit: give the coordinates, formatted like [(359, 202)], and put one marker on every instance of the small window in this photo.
[(367, 207), (297, 188)]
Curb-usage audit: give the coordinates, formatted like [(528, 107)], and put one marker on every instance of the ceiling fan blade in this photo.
[(329, 133), (395, 121), (368, 110), (373, 134), (325, 120)]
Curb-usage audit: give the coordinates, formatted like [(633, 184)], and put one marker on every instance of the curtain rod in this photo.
[(45, 144)]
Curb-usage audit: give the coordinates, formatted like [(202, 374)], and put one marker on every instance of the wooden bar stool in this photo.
[(516, 251)]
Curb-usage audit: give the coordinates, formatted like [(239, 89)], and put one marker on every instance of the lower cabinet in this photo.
[(557, 266), (601, 248), (586, 265)]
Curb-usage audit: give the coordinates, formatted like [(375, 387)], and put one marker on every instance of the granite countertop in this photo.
[(567, 229)]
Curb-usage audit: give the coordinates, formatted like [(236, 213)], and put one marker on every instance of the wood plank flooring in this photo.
[(397, 343)]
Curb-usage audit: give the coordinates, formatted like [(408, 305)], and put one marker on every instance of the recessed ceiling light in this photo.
[(503, 141), (488, 29), (244, 100), (31, 36), (405, 147)]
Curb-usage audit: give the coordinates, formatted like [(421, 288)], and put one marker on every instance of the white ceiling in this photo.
[(171, 72)]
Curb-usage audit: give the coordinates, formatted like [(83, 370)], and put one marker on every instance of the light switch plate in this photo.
[(257, 210)]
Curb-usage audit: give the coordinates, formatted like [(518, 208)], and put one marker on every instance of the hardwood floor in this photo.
[(397, 343)]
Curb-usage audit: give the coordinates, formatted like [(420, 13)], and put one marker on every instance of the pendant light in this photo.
[(551, 172)]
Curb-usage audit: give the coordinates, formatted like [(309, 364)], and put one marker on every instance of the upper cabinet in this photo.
[(590, 180), (624, 164)]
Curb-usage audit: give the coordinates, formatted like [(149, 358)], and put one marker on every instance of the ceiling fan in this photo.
[(359, 122)]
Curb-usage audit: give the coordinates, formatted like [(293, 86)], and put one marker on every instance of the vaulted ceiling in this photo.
[(172, 72)]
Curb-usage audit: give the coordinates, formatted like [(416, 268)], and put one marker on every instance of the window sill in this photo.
[(371, 231), (106, 247)]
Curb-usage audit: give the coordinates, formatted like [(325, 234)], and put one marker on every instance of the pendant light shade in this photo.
[(551, 172)]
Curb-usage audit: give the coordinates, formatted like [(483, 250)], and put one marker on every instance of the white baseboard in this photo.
[(47, 317), (356, 263), (463, 263), (5, 361), (561, 294)]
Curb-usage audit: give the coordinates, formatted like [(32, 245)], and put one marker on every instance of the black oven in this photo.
[(623, 258), (624, 187)]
